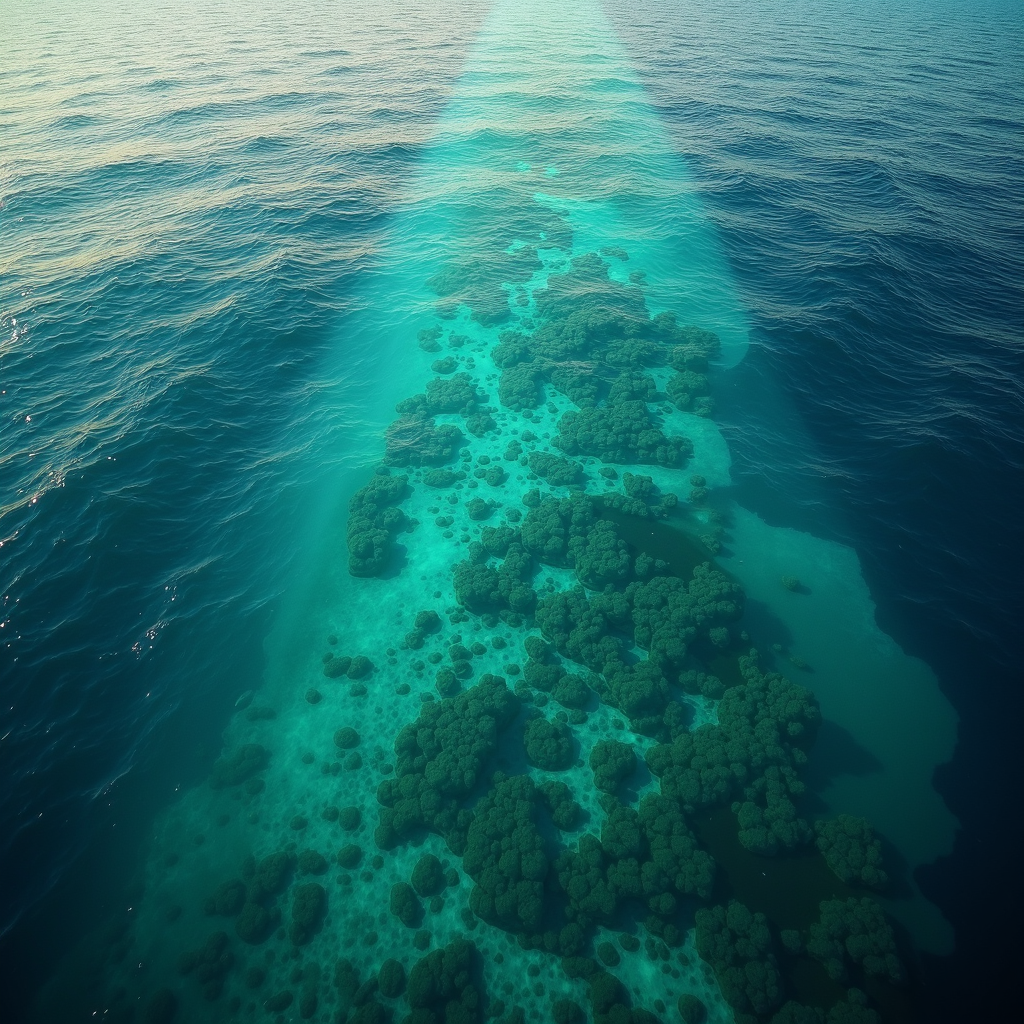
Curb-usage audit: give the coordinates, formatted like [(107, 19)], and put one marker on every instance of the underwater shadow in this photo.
[(836, 753), (766, 629), (897, 867), (398, 559), (638, 779)]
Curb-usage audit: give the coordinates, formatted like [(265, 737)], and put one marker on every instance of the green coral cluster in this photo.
[(549, 744), (309, 906), (852, 850), (455, 394), (541, 868), (668, 613), (449, 364), (519, 386), (767, 817), (691, 1009), (664, 615), (428, 878), (585, 317), (439, 758), (564, 810), (391, 979), (692, 347), (210, 964), (852, 1010), (425, 624), (478, 277), (373, 520), (266, 880), (648, 854), (569, 532), (624, 429), (240, 766), (610, 1002), (854, 931), (442, 987), (688, 390), (640, 497), (552, 522), (557, 471), (738, 945), (356, 1002), (588, 320), (227, 899), (415, 439), (760, 742), (405, 904), (482, 586), (612, 763), (582, 627), (505, 856)]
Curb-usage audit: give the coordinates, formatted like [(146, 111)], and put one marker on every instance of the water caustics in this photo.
[(553, 248)]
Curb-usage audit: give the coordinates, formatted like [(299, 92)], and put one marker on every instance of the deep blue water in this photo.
[(192, 204), (169, 397), (865, 173)]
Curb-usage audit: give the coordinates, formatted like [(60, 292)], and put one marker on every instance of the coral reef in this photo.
[(852, 850), (527, 556)]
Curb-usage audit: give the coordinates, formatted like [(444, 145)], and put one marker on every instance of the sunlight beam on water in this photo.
[(548, 113)]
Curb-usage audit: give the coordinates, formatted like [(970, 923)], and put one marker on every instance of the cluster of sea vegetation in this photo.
[(587, 850)]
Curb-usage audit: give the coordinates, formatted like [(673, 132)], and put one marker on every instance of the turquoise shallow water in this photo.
[(248, 256)]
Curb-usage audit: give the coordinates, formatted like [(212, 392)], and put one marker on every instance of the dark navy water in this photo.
[(864, 170), (194, 204), (184, 211)]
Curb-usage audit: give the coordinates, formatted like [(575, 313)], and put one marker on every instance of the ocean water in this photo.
[(233, 240)]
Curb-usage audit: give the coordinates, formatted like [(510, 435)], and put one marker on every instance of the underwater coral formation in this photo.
[(583, 704), (852, 850)]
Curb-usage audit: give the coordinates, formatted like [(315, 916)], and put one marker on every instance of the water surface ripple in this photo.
[(190, 196)]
